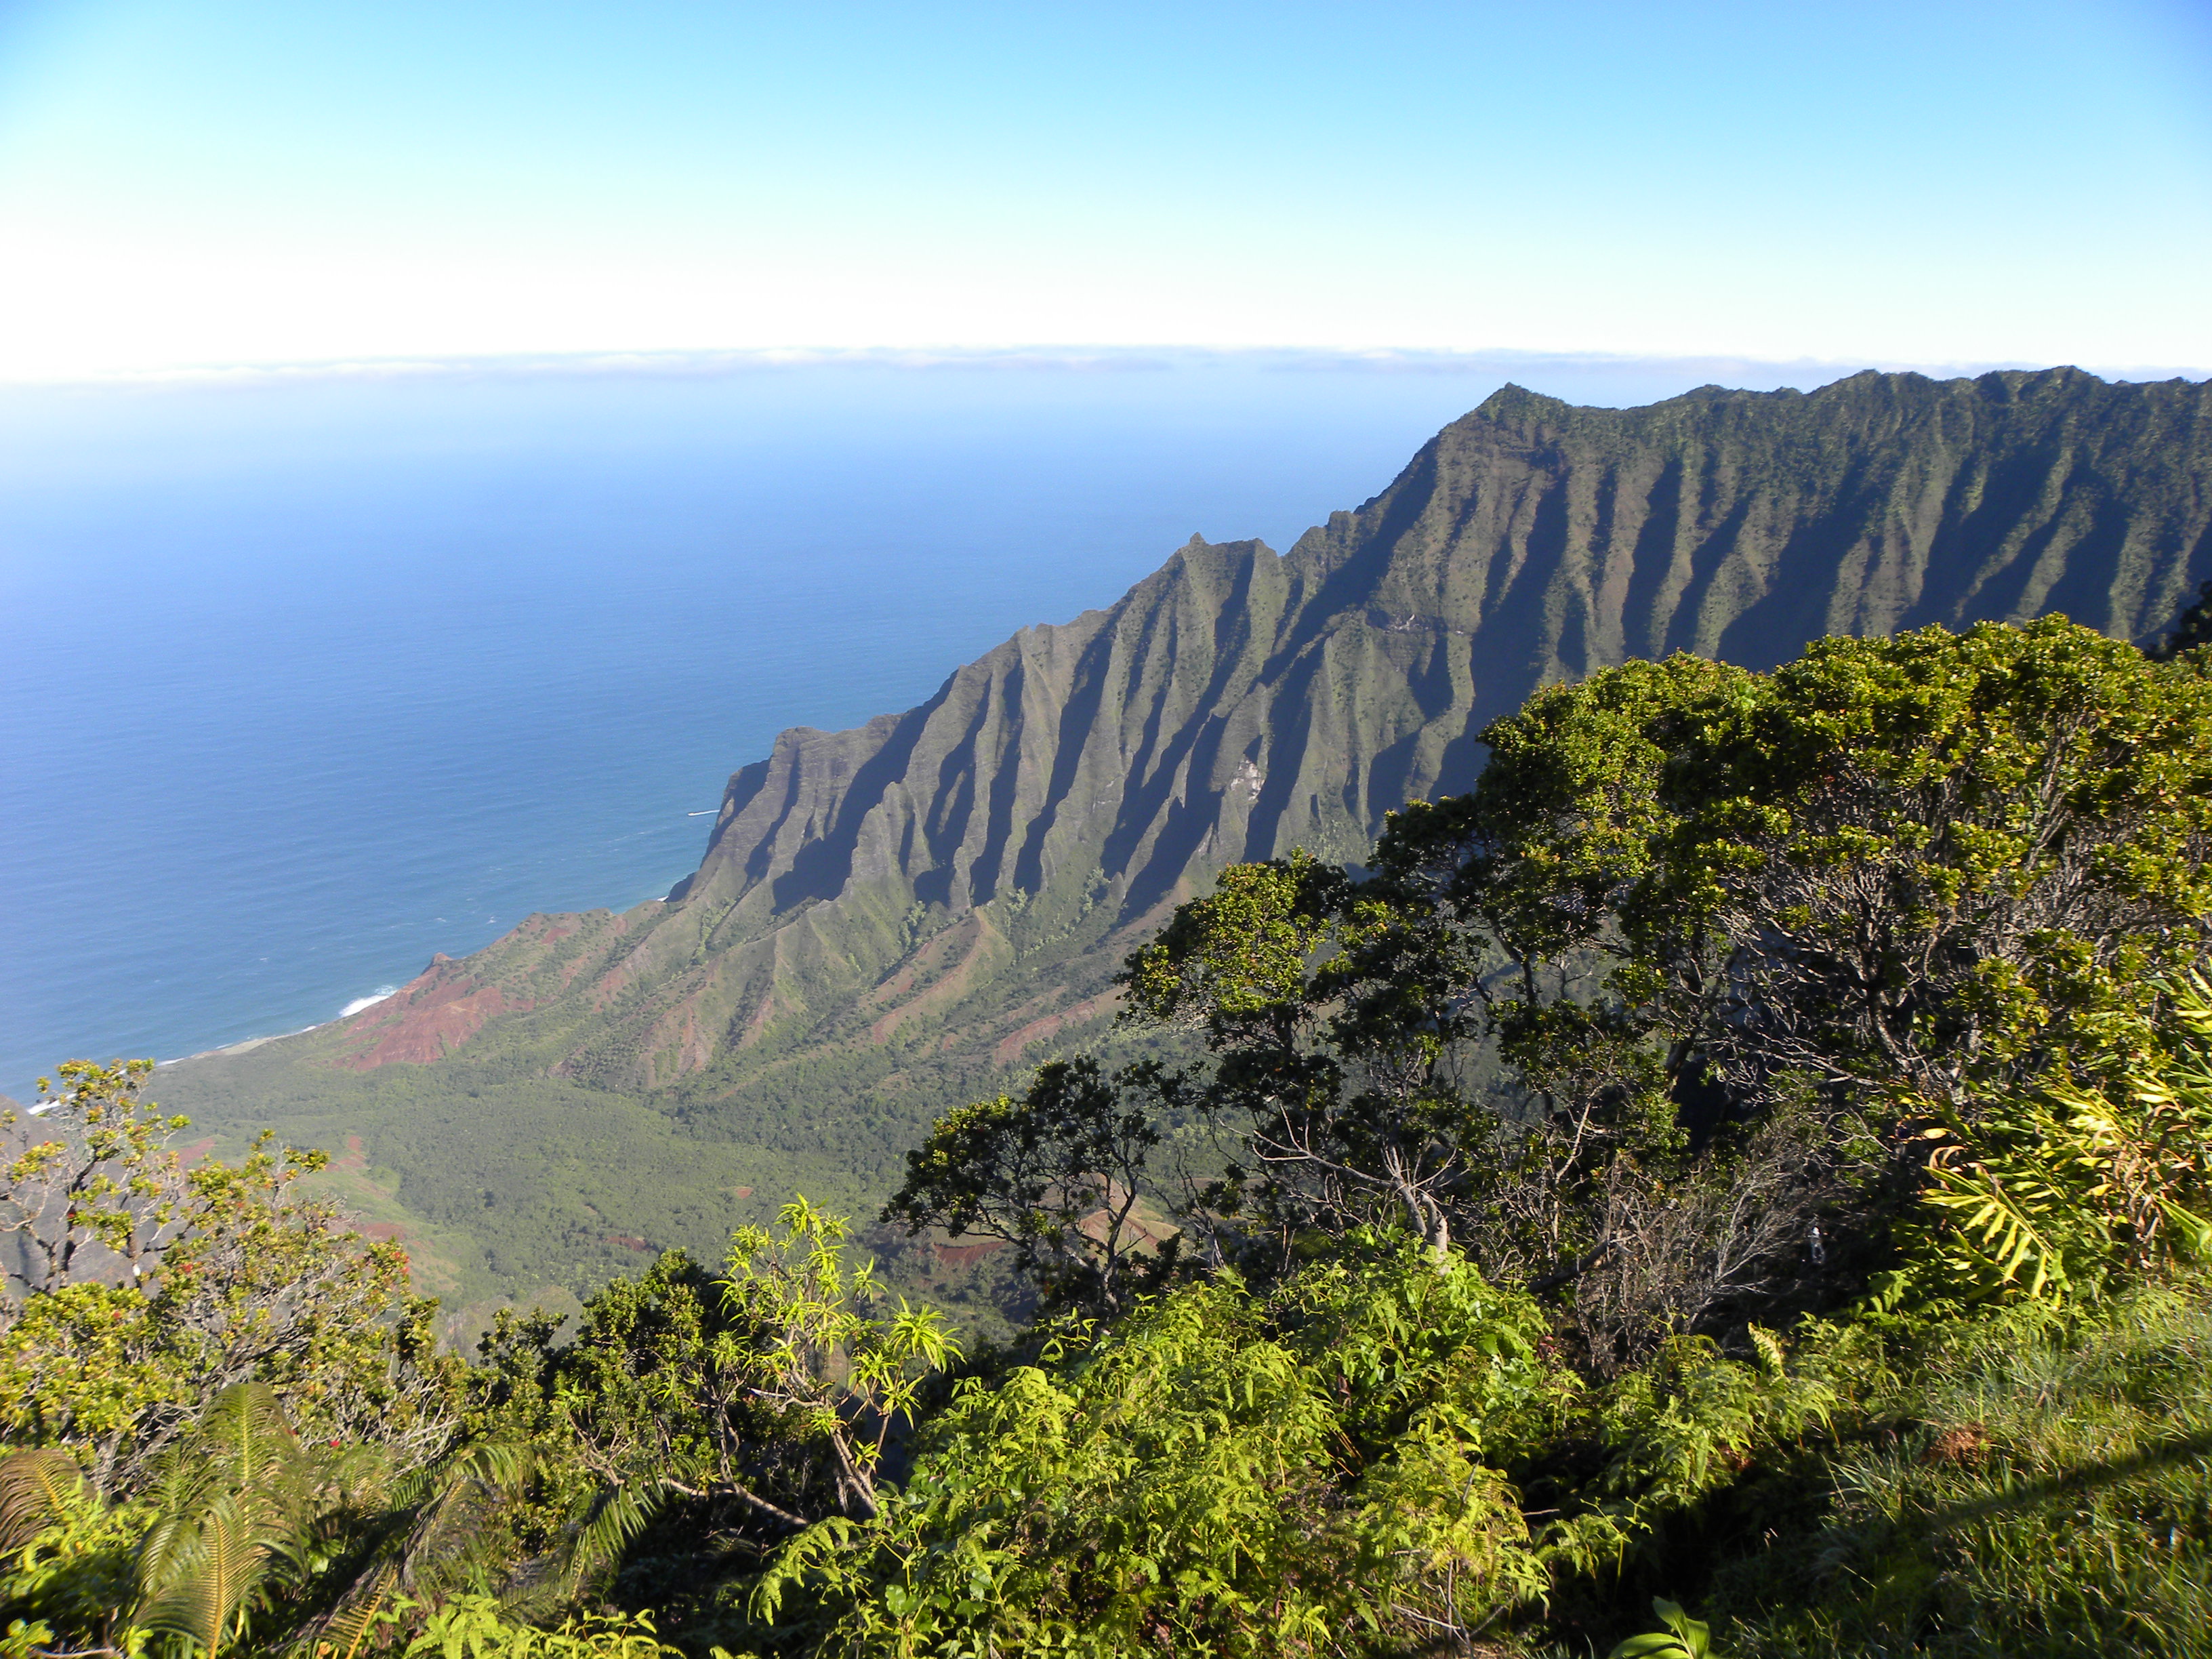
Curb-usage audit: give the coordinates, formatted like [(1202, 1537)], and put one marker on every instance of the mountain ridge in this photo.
[(889, 918)]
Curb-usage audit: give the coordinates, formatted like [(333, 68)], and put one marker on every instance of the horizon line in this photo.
[(1059, 358)]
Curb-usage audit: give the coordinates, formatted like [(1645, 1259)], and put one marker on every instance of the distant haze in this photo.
[(1890, 181)]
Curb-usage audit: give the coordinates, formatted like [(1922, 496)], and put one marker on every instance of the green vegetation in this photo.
[(148, 1288), (894, 921), (2021, 1480), (1743, 1167), (1058, 1175)]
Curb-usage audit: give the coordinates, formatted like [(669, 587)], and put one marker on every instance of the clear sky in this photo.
[(224, 181)]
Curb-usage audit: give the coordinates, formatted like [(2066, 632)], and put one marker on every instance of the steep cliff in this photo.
[(890, 917)]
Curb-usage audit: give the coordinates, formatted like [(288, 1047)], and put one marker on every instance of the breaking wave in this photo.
[(368, 1001)]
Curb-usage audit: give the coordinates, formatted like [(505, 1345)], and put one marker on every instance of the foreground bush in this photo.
[(1224, 1473), (141, 1288), (1746, 1165)]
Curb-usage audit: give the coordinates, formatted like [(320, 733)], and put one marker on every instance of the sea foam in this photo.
[(368, 1001)]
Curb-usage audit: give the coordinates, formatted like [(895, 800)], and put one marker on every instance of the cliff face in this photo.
[(940, 895)]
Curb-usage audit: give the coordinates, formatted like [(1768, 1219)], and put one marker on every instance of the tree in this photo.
[(1059, 1175), (148, 1288), (839, 1367), (1893, 880), (1933, 862), (1344, 1101), (744, 1406), (104, 1197), (1941, 865), (1316, 1470)]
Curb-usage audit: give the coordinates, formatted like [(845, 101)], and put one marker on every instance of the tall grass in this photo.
[(2035, 1483)]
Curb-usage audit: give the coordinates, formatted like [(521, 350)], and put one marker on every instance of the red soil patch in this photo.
[(949, 989), (1096, 1226), (1010, 1047), (758, 1021), (629, 1241), (967, 1255), (189, 1155), (611, 984), (919, 963), (432, 1015), (693, 1048), (382, 1232), (1968, 1444)]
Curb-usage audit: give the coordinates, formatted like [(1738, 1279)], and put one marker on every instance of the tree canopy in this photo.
[(1699, 928)]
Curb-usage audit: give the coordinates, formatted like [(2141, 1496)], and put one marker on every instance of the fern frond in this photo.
[(209, 1579), (501, 1466), (2010, 1227), (346, 1632), (617, 1516), (36, 1488), (453, 1501), (168, 1543), (245, 1426)]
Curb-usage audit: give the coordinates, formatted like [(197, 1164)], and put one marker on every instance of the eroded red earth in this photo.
[(426, 1019)]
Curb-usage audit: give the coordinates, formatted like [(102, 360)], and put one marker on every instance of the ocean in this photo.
[(311, 676)]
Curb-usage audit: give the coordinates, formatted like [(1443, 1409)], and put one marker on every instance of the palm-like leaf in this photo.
[(345, 1632), (208, 1572), (236, 1499), (35, 1491), (2078, 1177), (452, 1502), (616, 1516), (435, 1529), (247, 1423)]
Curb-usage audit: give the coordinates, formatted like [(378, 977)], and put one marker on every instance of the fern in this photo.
[(348, 1630), (2048, 1194), (207, 1579), (452, 1504), (236, 1497), (618, 1515), (35, 1491)]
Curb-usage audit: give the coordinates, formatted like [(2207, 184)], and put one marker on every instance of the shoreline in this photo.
[(245, 1047)]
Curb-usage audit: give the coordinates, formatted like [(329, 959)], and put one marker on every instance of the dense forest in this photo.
[(1734, 1181)]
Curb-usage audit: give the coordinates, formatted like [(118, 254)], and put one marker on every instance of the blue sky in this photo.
[(229, 182)]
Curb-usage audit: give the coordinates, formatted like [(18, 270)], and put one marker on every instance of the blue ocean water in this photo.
[(309, 678)]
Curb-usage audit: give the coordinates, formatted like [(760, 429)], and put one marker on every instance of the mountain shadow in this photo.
[(892, 918)]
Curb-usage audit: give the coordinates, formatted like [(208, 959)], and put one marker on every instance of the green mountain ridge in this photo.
[(893, 919)]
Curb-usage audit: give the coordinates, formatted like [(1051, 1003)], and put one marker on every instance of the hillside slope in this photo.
[(891, 919)]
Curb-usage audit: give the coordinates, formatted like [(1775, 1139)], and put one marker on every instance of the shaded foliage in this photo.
[(1059, 1175)]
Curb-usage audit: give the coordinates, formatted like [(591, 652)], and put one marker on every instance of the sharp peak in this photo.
[(1198, 543), (1514, 398)]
